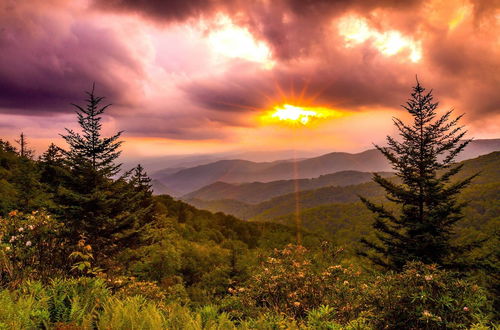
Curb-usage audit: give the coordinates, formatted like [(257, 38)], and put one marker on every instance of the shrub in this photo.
[(292, 282), (271, 321), (423, 296), (324, 318), (30, 247)]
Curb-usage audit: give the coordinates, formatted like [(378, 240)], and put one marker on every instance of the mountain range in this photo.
[(488, 167), (182, 181), (256, 192)]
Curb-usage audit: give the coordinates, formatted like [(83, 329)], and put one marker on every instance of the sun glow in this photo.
[(299, 115)]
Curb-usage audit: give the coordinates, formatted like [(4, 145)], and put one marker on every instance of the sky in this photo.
[(206, 76)]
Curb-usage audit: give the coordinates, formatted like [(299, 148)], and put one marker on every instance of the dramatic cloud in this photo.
[(198, 71), (50, 56)]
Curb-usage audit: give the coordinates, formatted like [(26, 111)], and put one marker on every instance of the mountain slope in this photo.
[(257, 192)]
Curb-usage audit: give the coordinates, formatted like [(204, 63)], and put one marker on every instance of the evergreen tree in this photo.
[(89, 152), (141, 197), (141, 181), (26, 178), (52, 168), (428, 208), (94, 202), (7, 147)]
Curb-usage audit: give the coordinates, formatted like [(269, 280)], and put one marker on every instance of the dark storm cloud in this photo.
[(46, 65), (180, 10), (249, 86), (173, 10)]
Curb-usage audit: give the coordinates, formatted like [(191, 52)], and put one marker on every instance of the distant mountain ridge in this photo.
[(238, 171), (187, 180), (257, 192)]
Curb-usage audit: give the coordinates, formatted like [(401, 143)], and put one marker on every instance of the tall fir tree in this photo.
[(95, 201), (423, 159)]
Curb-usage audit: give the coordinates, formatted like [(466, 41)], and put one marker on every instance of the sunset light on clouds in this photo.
[(209, 76)]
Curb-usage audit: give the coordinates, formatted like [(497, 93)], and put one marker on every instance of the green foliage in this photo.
[(20, 186), (53, 169), (324, 317), (70, 302), (83, 259), (204, 253), (75, 300), (130, 313), (22, 311), (420, 297), (346, 223)]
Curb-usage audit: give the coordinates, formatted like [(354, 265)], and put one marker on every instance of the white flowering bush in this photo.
[(30, 246)]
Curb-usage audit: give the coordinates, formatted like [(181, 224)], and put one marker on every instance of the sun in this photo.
[(294, 114)]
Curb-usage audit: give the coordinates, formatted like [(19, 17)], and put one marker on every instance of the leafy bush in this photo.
[(292, 282), (129, 286), (423, 296), (30, 247)]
